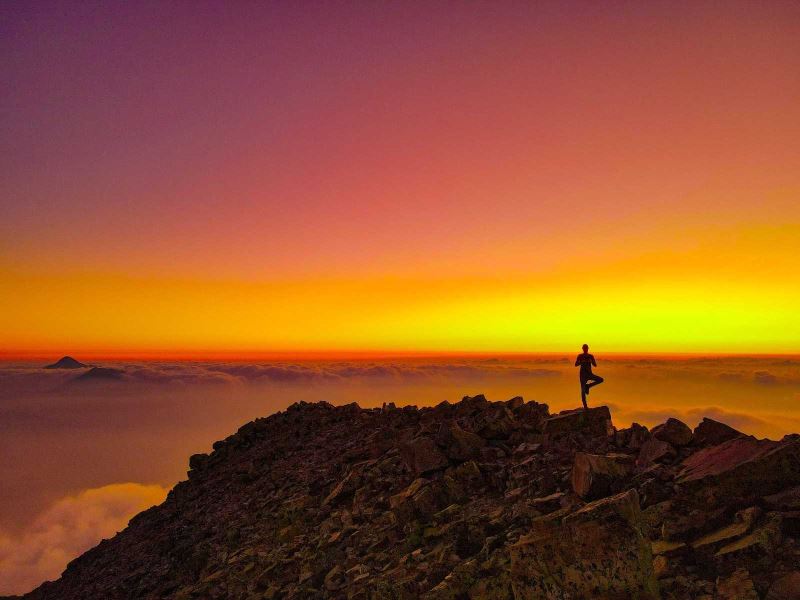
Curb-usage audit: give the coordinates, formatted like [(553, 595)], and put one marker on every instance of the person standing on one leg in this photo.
[(588, 379)]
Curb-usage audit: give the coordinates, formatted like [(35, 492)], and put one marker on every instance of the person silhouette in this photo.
[(588, 379)]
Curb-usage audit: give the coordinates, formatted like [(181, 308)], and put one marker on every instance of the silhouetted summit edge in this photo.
[(67, 362), (477, 499)]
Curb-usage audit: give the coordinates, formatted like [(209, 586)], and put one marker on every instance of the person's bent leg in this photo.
[(596, 380)]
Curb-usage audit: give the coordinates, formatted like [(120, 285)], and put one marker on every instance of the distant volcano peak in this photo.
[(67, 362)]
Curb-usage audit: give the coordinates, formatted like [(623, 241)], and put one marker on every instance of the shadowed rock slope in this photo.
[(471, 500)]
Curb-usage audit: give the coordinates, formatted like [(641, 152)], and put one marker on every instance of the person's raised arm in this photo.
[(594, 362), (578, 360)]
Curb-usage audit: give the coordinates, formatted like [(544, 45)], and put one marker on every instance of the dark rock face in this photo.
[(595, 421), (67, 362), (595, 476), (674, 432), (560, 558), (478, 499), (744, 466), (633, 437), (421, 456), (711, 433)]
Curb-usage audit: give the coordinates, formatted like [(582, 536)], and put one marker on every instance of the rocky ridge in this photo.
[(477, 499)]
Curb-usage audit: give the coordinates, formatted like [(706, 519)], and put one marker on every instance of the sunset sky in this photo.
[(188, 179)]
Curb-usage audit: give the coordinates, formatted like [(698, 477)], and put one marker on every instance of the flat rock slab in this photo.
[(596, 421), (744, 466), (598, 551)]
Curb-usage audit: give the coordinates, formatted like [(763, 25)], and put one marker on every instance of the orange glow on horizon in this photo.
[(403, 180)]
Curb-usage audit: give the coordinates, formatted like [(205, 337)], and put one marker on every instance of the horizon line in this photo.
[(8, 356)]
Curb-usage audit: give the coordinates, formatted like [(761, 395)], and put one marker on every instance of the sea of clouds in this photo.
[(80, 458)]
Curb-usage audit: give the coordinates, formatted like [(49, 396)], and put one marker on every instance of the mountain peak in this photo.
[(475, 499), (100, 374), (67, 362)]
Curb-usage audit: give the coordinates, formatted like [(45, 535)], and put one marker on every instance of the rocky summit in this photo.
[(479, 499)]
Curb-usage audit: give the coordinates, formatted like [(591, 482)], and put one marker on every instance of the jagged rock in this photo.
[(344, 488), (334, 580), (739, 586), (459, 480), (594, 421), (551, 503), (495, 423), (743, 522), (711, 433), (763, 540), (683, 523), (667, 548), (743, 466), (788, 499), (418, 499), (515, 403), (599, 551), (458, 444), (786, 587), (532, 415), (654, 450), (633, 437), (197, 461), (595, 476), (422, 456), (674, 432)]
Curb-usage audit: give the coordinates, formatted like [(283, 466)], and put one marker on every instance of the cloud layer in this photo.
[(68, 528), (57, 435)]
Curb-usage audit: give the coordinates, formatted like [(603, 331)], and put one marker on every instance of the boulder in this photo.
[(458, 481), (198, 461), (422, 456), (551, 503), (598, 551), (419, 498), (788, 499), (711, 433), (742, 523), (532, 414), (762, 541), (515, 402), (633, 437), (652, 451), (595, 476), (743, 467), (458, 444), (471, 405), (344, 488), (786, 587), (674, 432), (495, 423), (334, 580), (594, 421), (738, 586)]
